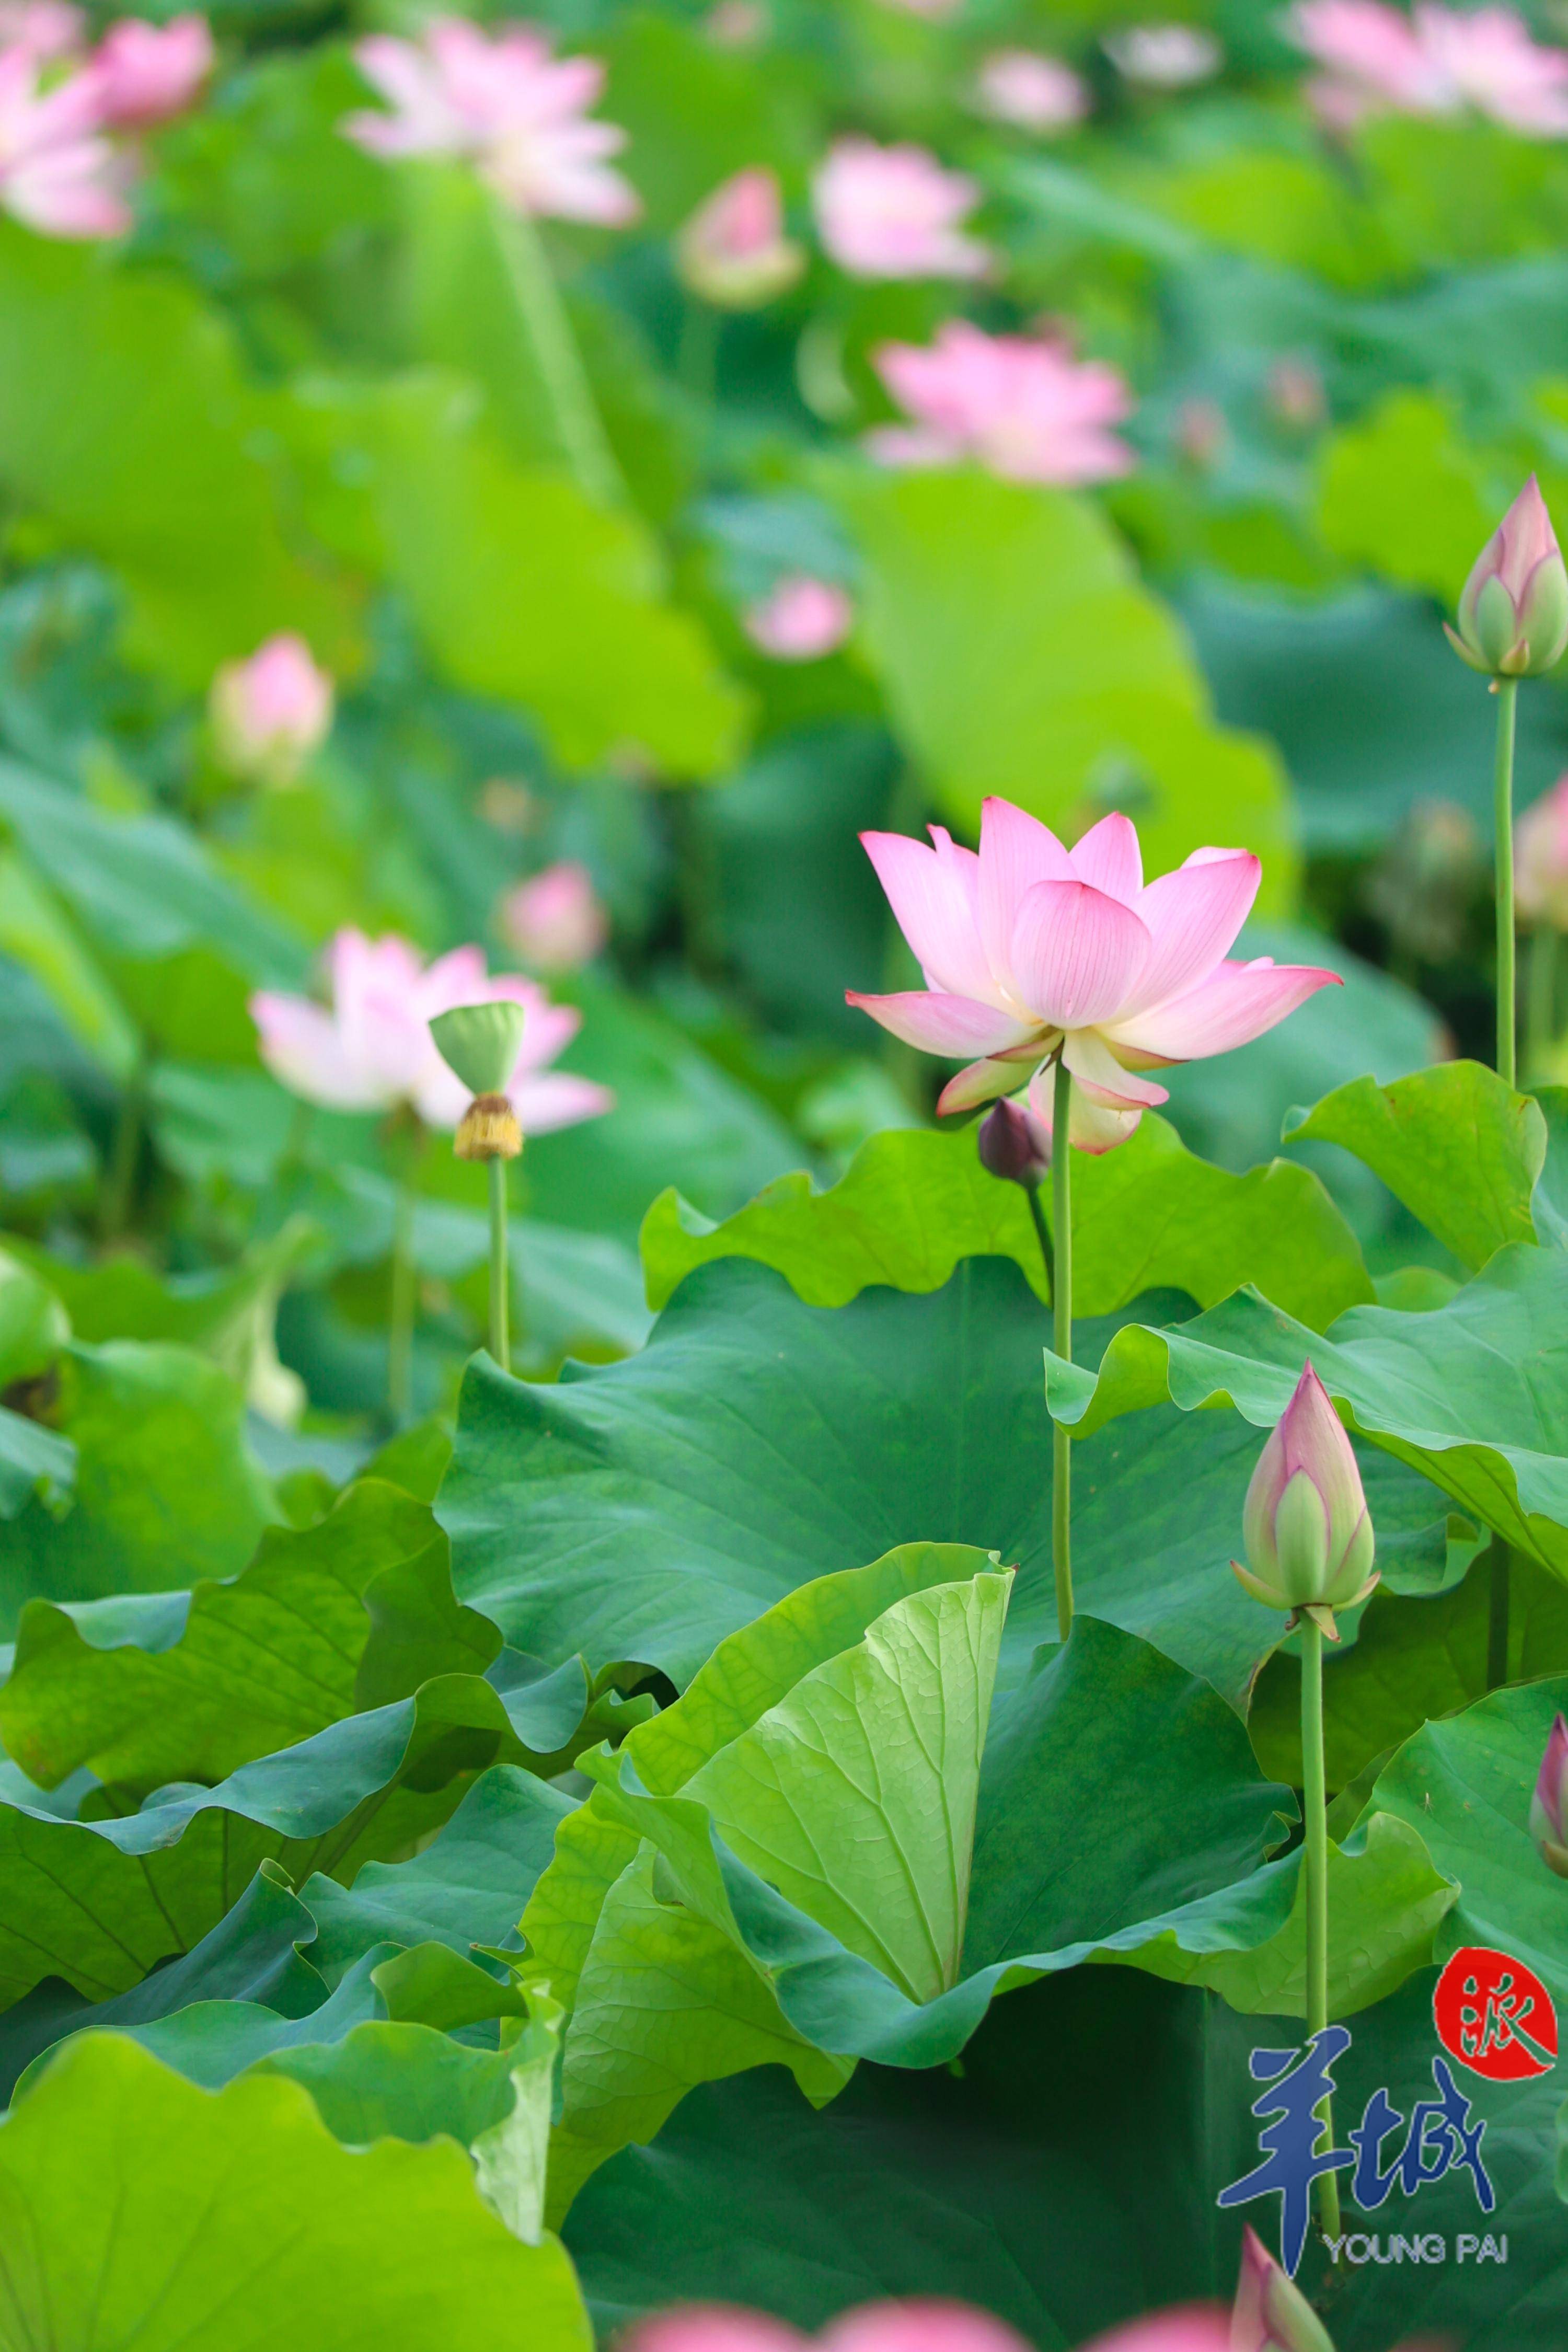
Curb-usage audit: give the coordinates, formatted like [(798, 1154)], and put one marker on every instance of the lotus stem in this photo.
[(1315, 1810), (500, 1343), (400, 1319), (1541, 1002), (578, 425), (1507, 692), (1061, 1310), (1043, 1233)]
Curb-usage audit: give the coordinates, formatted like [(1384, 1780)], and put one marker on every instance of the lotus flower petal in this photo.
[(1108, 857), (1076, 955), (932, 897), (1194, 916), (954, 1026), (1235, 1003)]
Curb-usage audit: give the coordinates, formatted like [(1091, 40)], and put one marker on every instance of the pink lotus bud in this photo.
[(555, 921), (801, 619), (1013, 1145), (1513, 612), (270, 712), (1295, 395), (1305, 1527), (1036, 93), (1271, 2313), (146, 73), (733, 251), (1548, 1825), (1541, 859), (895, 212)]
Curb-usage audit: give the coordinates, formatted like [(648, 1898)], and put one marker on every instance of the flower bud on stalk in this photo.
[(1271, 2313), (1548, 1826), (1014, 1144), (1305, 1527), (1513, 611)]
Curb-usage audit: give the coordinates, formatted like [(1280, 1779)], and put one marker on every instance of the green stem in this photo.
[(124, 1156), (1043, 1233), (1541, 1002), (578, 423), (400, 1321), (501, 1344), (1497, 1614), (1314, 1802), (1507, 692), (1061, 1312)]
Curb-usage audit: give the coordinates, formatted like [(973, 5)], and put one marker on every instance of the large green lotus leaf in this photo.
[(1457, 1145), (1021, 656), (34, 1325), (1011, 2184), (613, 1515), (189, 1687), (36, 1464), (44, 943), (1473, 1393), (166, 1491), (122, 1297), (1401, 490), (140, 2210), (1148, 1216), (1466, 1784), (99, 1901)]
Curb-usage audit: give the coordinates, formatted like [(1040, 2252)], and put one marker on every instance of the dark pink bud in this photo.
[(1013, 1145)]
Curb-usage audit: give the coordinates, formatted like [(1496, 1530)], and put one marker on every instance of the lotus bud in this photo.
[(270, 712), (479, 1044), (1513, 612), (1013, 1145), (555, 921), (1271, 2313), (733, 251), (1548, 1826), (1305, 1526)]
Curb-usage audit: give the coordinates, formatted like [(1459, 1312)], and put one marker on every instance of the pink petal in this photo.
[(981, 1082), (1015, 852), (1108, 857), (557, 1099), (305, 1051), (1077, 954), (1194, 916), (1092, 1126), (935, 2326), (1190, 2327), (1096, 1069), (457, 978), (955, 1026), (712, 2327), (933, 900), (1235, 1004)]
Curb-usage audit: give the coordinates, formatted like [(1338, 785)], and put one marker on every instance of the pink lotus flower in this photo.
[(269, 713), (1305, 1527), (733, 251), (516, 112), (1541, 859), (46, 29), (1437, 61), (1191, 2327), (920, 2325), (801, 619), (1031, 951), (1036, 93), (737, 25), (555, 921), (56, 174), (894, 212), (1165, 56), (1549, 1805), (1013, 1144), (1513, 608), (1027, 410), (932, 10), (371, 1049), (146, 73)]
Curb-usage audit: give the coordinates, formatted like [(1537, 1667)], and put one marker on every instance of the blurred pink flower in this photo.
[(555, 920), (1165, 56), (1437, 61), (894, 212), (1025, 409), (45, 28), (1036, 93), (1549, 1803), (733, 251), (801, 619), (932, 10), (270, 712), (713, 2327), (516, 112), (737, 23), (371, 1049), (1030, 949), (920, 2325), (57, 173), (1191, 2327), (145, 73), (1541, 859)]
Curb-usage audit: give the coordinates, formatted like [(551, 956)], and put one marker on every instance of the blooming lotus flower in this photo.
[(1027, 410), (800, 619), (1036, 93), (555, 921), (146, 73), (733, 251), (46, 29), (1513, 611), (894, 212), (270, 712), (1488, 60), (371, 1049), (1165, 56), (1541, 859), (516, 112), (1304, 1524), (1191, 2327), (1548, 1813), (1031, 951), (922, 2324), (1013, 1145), (57, 173), (1435, 62)]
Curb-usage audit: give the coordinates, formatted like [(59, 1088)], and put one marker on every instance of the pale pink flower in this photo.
[(507, 104), (46, 29), (1036, 93), (1437, 61), (555, 920), (733, 250), (1165, 56), (1549, 1804), (801, 619), (1541, 859), (1030, 950), (57, 173), (1305, 1527), (147, 73), (371, 1049), (922, 2324), (933, 11), (894, 212), (1024, 408), (1488, 60), (713, 2327), (270, 712), (1191, 2327), (737, 25)]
